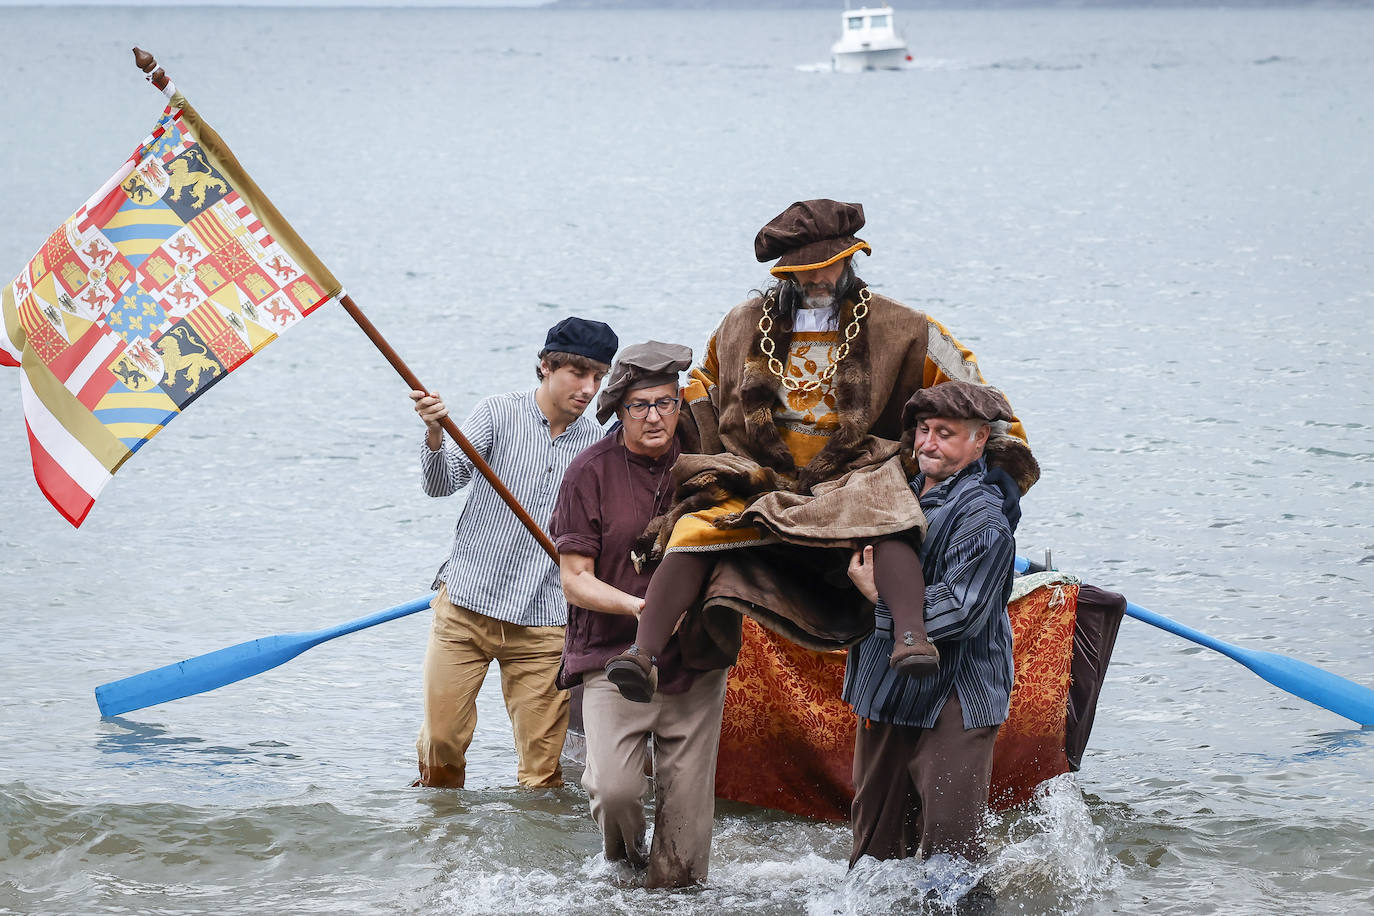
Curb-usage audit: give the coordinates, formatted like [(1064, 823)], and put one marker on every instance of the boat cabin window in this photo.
[(880, 22), (856, 23)]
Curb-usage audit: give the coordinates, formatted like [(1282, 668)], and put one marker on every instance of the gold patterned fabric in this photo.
[(787, 739), (805, 419), (697, 531), (1030, 745)]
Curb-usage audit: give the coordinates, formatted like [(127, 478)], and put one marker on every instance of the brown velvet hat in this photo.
[(811, 234), (642, 365), (969, 401), (957, 401)]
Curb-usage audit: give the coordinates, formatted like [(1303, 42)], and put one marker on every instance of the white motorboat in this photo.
[(868, 41)]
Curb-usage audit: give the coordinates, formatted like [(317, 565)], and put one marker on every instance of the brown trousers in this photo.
[(462, 645), (921, 791), (685, 729)]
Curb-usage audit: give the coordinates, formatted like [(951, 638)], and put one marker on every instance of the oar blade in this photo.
[(202, 673), (225, 666), (1316, 685)]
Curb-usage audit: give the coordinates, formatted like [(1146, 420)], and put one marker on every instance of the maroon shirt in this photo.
[(607, 499)]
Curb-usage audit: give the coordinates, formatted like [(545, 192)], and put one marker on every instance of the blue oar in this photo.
[(1308, 682), (224, 666)]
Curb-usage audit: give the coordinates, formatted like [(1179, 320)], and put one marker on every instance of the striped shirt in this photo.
[(967, 558), (496, 567)]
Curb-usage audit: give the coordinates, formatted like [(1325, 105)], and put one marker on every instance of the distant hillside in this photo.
[(902, 5)]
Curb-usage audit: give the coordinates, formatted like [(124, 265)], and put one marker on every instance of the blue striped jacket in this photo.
[(967, 558)]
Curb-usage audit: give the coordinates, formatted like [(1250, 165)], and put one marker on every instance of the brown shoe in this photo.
[(914, 657), (632, 672)]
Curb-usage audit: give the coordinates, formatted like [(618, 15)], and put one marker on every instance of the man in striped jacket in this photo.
[(499, 596), (923, 754)]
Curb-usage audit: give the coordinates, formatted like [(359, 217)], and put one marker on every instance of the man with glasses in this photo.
[(609, 494)]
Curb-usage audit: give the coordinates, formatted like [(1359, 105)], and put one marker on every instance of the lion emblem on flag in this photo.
[(181, 178), (194, 364)]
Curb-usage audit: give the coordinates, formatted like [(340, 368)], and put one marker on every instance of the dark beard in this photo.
[(789, 296), (816, 296)]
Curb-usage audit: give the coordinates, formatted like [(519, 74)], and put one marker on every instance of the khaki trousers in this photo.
[(685, 730), (462, 645), (921, 790)]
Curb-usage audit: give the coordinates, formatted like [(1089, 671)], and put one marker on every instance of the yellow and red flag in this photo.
[(166, 280)]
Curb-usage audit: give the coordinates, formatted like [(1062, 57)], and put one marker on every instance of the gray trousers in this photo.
[(919, 791), (685, 730)]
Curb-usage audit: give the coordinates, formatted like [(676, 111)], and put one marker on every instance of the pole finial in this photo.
[(145, 62)]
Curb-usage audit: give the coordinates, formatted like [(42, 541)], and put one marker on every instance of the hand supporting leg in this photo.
[(901, 583), (673, 589)]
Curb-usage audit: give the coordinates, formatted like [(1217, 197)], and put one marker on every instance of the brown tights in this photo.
[(679, 579), (900, 580), (672, 590)]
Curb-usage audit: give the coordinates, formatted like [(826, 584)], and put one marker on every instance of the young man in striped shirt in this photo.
[(499, 595), (923, 753)]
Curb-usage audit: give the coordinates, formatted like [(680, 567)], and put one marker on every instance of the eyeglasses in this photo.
[(666, 407)]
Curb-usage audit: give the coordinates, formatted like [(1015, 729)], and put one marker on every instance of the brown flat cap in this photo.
[(641, 365), (811, 234), (957, 401)]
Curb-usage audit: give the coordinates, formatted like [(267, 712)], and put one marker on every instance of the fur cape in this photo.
[(740, 453), (797, 586)]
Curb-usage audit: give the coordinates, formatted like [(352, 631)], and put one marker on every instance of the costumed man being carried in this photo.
[(798, 407)]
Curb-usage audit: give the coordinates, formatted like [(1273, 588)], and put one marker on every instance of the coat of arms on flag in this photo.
[(166, 280)]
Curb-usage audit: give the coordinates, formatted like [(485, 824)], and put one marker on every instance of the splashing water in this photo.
[(1054, 854), (1048, 856)]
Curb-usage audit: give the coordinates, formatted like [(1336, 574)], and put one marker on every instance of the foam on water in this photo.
[(1052, 852), (1046, 857)]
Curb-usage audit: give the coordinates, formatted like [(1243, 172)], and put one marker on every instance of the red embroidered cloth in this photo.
[(787, 739)]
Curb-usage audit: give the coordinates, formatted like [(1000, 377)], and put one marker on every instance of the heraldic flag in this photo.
[(169, 278)]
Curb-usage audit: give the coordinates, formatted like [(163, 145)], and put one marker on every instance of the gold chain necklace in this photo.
[(775, 365)]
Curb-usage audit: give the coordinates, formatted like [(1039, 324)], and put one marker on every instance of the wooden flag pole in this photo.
[(450, 427), (144, 61), (158, 78)]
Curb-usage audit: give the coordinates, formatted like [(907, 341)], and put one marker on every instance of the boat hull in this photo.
[(787, 737), (868, 59)]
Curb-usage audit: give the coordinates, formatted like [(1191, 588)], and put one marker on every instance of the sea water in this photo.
[(1153, 227)]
